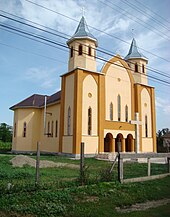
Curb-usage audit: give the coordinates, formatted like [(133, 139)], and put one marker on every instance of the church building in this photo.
[(97, 108)]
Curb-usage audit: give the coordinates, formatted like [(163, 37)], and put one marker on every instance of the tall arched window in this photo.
[(56, 128), (126, 113), (89, 121), (24, 129), (111, 111), (89, 51), (143, 68), (69, 122), (15, 128), (80, 49), (52, 128), (136, 67), (48, 129), (119, 107), (71, 51), (146, 126)]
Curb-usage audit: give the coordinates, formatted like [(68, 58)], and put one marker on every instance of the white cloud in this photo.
[(163, 104)]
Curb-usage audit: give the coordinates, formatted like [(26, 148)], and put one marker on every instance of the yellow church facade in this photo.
[(97, 108)]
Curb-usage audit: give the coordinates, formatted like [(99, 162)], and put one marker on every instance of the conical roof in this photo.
[(82, 32), (134, 53)]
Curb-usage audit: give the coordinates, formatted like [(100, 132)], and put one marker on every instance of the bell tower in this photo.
[(137, 62), (82, 48)]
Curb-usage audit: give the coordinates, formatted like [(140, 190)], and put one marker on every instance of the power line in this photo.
[(101, 31), (59, 44), (105, 52)]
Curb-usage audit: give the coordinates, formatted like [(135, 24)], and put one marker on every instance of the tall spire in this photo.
[(82, 32), (134, 53)]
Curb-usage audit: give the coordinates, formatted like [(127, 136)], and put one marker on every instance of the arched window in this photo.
[(126, 113), (69, 122), (56, 128), (24, 129), (136, 67), (89, 121), (143, 68), (146, 126), (111, 111), (80, 49), (48, 129), (15, 128), (119, 107), (71, 51), (52, 127), (89, 51)]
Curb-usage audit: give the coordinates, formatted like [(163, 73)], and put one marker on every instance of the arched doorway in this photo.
[(108, 142), (118, 139), (129, 143)]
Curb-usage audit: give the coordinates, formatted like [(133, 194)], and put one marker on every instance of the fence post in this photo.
[(168, 161), (37, 164), (120, 168), (82, 163), (149, 166)]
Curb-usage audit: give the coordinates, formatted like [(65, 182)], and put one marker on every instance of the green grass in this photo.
[(59, 193), (5, 145)]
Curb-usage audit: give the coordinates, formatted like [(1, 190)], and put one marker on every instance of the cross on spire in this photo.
[(132, 31), (83, 11)]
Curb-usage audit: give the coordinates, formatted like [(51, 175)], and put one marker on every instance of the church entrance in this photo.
[(108, 142), (119, 138), (129, 143)]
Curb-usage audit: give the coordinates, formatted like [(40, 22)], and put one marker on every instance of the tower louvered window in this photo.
[(80, 49)]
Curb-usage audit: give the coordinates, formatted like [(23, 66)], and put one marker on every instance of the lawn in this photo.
[(59, 193)]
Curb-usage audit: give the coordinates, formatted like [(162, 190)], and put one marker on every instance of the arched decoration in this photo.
[(52, 128), (119, 108), (129, 143), (143, 68), (111, 111), (136, 67), (80, 49), (146, 126), (119, 138), (122, 61), (89, 51), (24, 129), (89, 121), (108, 140), (126, 113), (71, 51), (69, 122)]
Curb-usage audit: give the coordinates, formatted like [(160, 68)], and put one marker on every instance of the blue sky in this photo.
[(28, 67)]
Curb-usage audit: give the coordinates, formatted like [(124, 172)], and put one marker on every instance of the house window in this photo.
[(69, 121), (89, 51), (15, 128), (111, 111), (52, 126), (24, 129), (80, 49), (89, 121), (126, 113), (71, 51), (48, 129), (119, 107), (143, 68), (136, 67), (146, 126), (56, 128)]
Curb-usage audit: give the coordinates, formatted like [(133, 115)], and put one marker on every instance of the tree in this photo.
[(5, 132), (159, 135)]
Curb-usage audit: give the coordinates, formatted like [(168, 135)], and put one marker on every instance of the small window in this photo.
[(56, 128), (71, 51), (24, 129), (89, 52), (136, 67), (146, 126), (119, 107), (48, 129), (89, 121), (143, 68), (52, 126), (111, 111), (69, 122), (126, 113), (15, 128), (80, 49)]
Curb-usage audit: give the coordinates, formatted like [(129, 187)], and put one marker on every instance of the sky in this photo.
[(28, 67)]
